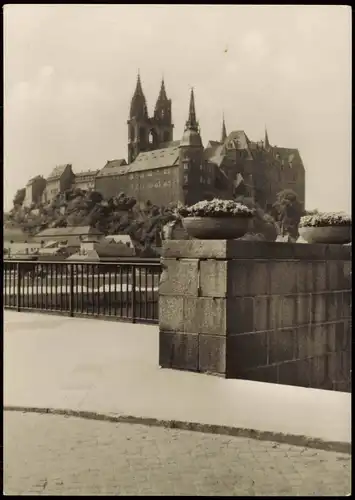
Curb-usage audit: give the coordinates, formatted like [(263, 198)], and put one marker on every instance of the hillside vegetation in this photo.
[(75, 207), (122, 215)]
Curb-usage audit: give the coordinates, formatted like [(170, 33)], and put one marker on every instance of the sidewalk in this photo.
[(112, 368), (54, 455)]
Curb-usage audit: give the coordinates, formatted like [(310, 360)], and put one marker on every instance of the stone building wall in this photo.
[(270, 312), (160, 186)]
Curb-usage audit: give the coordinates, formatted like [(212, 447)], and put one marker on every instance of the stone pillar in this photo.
[(272, 312)]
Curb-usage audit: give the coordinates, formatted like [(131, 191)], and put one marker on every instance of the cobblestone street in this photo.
[(57, 455)]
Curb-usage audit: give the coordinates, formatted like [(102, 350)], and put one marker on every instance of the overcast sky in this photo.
[(70, 72)]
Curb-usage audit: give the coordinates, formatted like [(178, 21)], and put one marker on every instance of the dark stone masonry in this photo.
[(270, 312)]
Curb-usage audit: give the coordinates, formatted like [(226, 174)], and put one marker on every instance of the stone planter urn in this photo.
[(217, 219), (326, 234), (217, 228)]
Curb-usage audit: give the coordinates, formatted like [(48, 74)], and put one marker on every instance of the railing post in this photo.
[(71, 290), (18, 287), (133, 294)]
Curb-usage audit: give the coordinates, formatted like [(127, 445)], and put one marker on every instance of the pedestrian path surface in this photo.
[(112, 368), (55, 455)]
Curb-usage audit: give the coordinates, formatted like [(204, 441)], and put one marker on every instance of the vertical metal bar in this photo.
[(5, 283), (133, 295), (115, 290), (31, 276), (71, 289), (92, 289), (98, 290), (45, 269), (109, 290), (121, 292), (51, 285), (104, 290), (155, 301), (139, 268), (56, 287), (76, 294), (146, 316), (36, 284), (81, 283), (18, 287), (61, 286), (40, 285), (86, 269)]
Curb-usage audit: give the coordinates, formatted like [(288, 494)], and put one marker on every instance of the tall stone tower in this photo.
[(144, 133), (162, 121), (191, 157)]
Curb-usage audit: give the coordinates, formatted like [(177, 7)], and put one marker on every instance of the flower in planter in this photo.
[(217, 208), (325, 219)]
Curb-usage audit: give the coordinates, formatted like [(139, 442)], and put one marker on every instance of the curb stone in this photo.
[(296, 440)]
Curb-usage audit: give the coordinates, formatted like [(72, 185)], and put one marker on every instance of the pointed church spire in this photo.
[(139, 90), (192, 122), (224, 131), (162, 111), (267, 144), (138, 103), (162, 94), (191, 135)]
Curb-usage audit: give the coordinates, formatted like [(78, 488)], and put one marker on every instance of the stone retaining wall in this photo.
[(272, 312)]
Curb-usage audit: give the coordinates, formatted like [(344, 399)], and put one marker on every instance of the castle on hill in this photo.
[(163, 170)]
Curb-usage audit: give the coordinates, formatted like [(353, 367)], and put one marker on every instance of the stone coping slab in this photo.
[(239, 249)]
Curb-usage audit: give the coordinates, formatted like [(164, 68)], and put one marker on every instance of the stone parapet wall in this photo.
[(272, 312)]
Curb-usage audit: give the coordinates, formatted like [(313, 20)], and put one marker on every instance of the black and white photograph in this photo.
[(177, 235)]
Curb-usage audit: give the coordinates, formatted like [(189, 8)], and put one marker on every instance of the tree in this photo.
[(19, 197), (288, 211), (263, 224)]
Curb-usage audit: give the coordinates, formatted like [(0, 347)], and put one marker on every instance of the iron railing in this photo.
[(126, 289)]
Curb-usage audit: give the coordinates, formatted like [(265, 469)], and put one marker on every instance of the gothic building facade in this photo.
[(165, 171)]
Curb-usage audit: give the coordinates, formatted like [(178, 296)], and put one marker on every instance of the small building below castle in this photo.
[(34, 190), (85, 180), (60, 179), (72, 236)]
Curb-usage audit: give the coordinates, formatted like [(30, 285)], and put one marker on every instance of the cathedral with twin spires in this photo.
[(163, 170)]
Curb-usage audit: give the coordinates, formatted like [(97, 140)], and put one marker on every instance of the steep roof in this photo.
[(213, 150), (159, 158), (171, 144), (15, 234), (102, 250), (120, 238), (34, 179), (286, 154), (87, 173), (212, 144), (68, 231), (113, 167), (215, 154), (58, 171), (239, 140)]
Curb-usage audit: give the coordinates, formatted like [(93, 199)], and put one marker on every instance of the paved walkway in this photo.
[(55, 455), (112, 368)]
